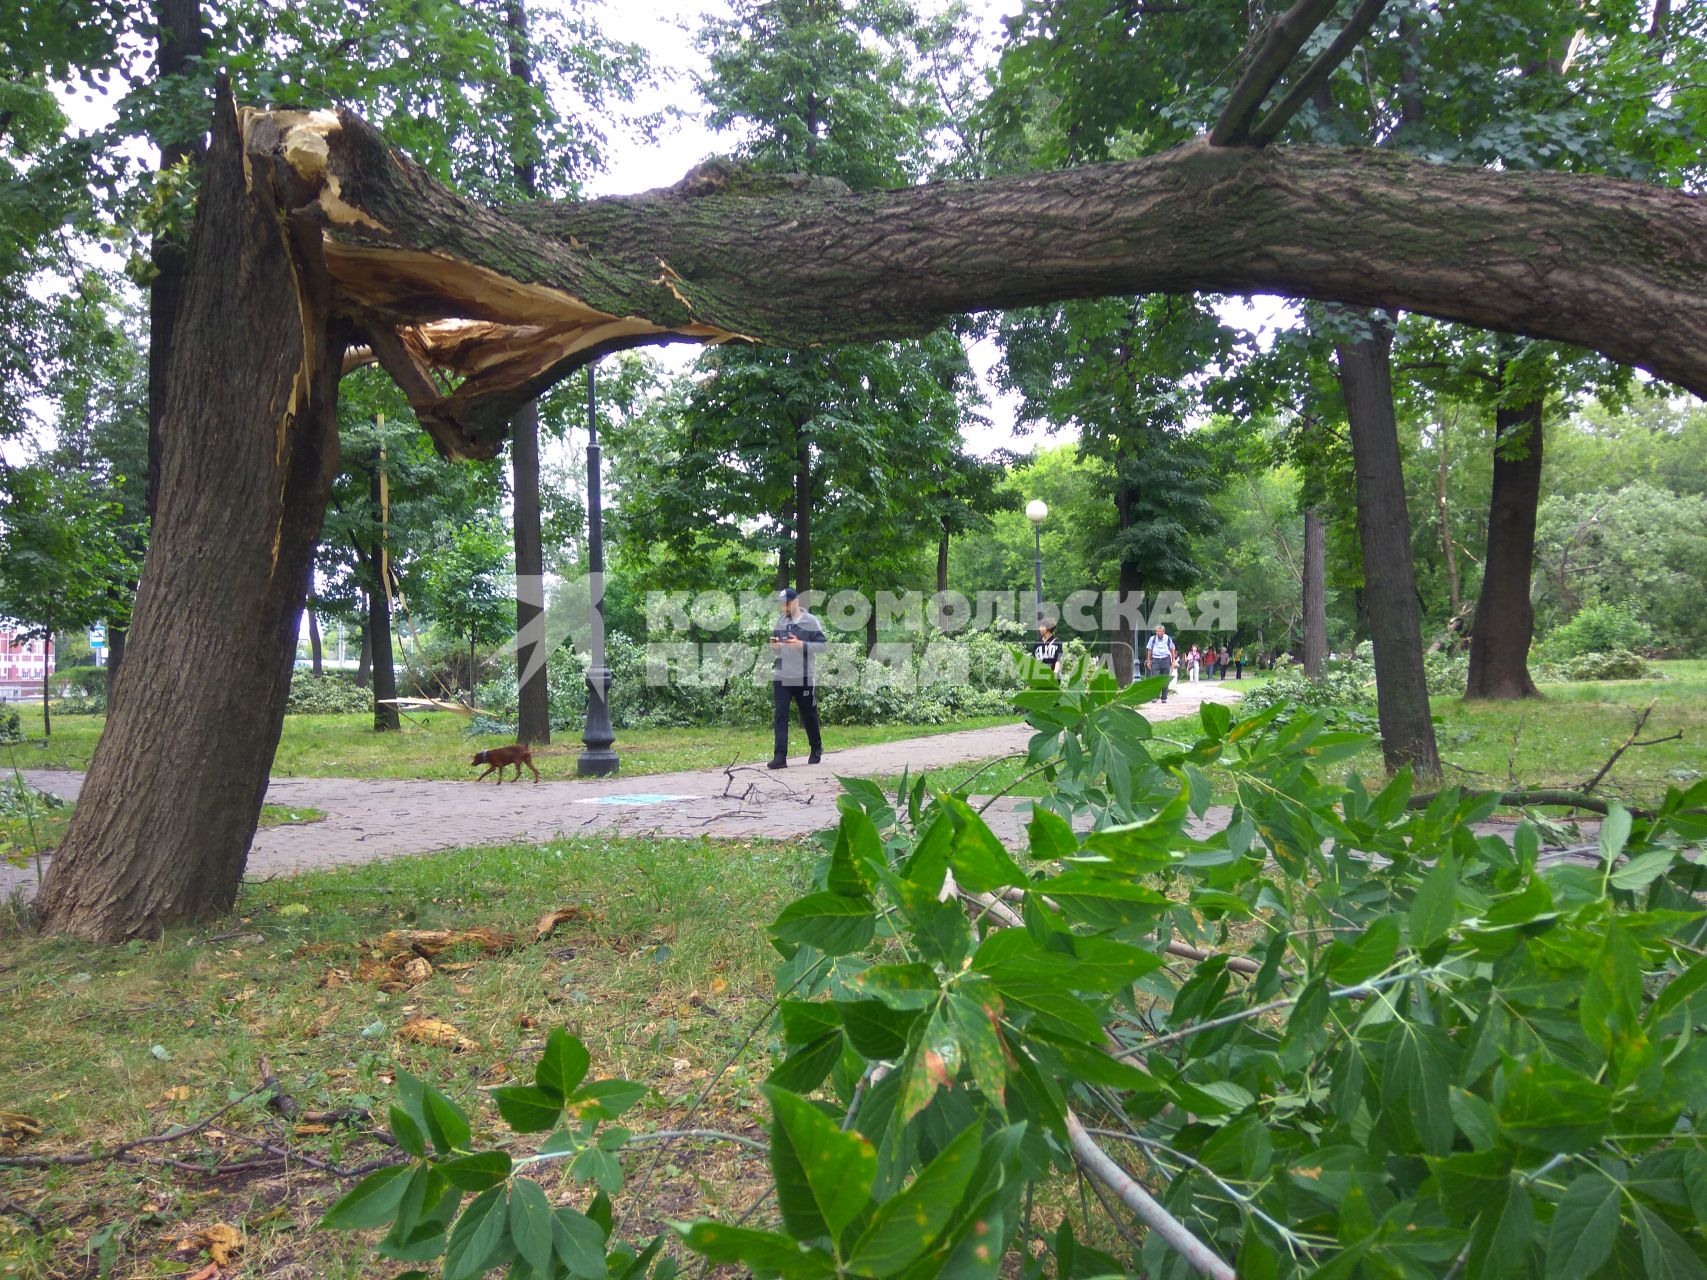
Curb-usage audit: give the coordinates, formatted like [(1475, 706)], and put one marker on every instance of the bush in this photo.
[(11, 727), (1599, 628), (1345, 691), (1615, 664), (326, 696), (1448, 673)]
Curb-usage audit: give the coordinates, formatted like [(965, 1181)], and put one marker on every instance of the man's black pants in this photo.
[(808, 699)]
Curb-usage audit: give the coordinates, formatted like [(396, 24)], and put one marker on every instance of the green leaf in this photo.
[(1417, 1076), (981, 1045), (528, 1109), (762, 1251), (1550, 1107), (1216, 717), (1435, 907), (1665, 1254), (875, 1030), (1611, 1003), (563, 1065), (900, 986), (804, 1021), (1476, 1118), (1642, 870), (1102, 902), (372, 1202), (531, 1224), (476, 1172), (478, 1242), (1050, 835), (804, 1069), (981, 862), (1585, 1224), (580, 1242), (906, 1224), (1348, 963), (1502, 1238), (1678, 991), (933, 1060), (834, 923), (407, 1132), (1614, 832), (606, 1099), (823, 1175), (446, 1125)]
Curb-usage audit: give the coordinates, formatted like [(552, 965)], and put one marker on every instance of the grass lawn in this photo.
[(662, 970), (434, 746), (1558, 740)]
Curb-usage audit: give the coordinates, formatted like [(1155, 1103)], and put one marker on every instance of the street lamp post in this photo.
[(596, 759), (1037, 511)]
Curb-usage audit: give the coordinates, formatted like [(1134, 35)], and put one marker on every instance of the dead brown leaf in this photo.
[(178, 1093), (551, 919), (221, 1242), (435, 1032), (310, 1130), (416, 970), (334, 978), (429, 942)]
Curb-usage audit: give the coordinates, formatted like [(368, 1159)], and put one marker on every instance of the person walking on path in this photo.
[(796, 639), (1047, 650), (1159, 655), (1226, 659), (1239, 663), (1193, 662)]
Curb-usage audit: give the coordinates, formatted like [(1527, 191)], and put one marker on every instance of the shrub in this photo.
[(1615, 664), (1599, 628), (1344, 692), (1448, 673), (326, 696), (11, 727)]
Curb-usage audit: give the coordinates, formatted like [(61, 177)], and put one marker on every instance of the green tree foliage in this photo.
[(1400, 1048), (465, 588)]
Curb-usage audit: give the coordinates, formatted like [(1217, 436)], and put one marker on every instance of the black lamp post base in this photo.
[(596, 763)]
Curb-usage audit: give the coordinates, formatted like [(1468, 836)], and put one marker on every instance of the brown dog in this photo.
[(500, 758)]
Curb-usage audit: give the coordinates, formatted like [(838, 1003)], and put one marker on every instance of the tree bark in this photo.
[(314, 647), (364, 659), (1504, 623), (516, 300), (1443, 505), (179, 37), (533, 715), (1315, 593), (533, 709), (116, 637), (46, 679), (1384, 529), (942, 577), (165, 817), (803, 517), (383, 657)]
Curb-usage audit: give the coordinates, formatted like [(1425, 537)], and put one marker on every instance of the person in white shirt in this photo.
[(1159, 657)]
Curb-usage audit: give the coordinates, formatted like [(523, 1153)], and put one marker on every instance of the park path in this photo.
[(369, 819)]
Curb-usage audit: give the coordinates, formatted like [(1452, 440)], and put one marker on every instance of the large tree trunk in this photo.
[(533, 715), (116, 637), (1505, 618), (1315, 593), (249, 447), (1384, 529)]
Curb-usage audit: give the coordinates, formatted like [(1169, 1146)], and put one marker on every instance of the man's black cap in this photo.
[(789, 593)]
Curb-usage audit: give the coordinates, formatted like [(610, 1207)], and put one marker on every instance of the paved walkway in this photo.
[(368, 819)]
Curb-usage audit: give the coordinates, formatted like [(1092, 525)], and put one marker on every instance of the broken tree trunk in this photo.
[(312, 231), (249, 447)]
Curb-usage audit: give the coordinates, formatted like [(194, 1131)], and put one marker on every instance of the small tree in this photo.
[(62, 554), (465, 590)]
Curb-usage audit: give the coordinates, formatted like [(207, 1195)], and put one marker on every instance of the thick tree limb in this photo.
[(1317, 73), (513, 300), (1279, 45)]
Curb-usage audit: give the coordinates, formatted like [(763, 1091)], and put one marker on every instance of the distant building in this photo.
[(24, 665)]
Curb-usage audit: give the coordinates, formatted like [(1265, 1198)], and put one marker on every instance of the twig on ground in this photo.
[(18, 1210), (1624, 746)]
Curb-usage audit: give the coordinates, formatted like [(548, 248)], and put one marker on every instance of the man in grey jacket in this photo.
[(796, 639)]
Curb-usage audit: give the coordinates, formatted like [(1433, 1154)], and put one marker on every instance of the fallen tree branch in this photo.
[(1624, 746), (1316, 74), (1535, 796), (1100, 1165), (18, 1210)]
